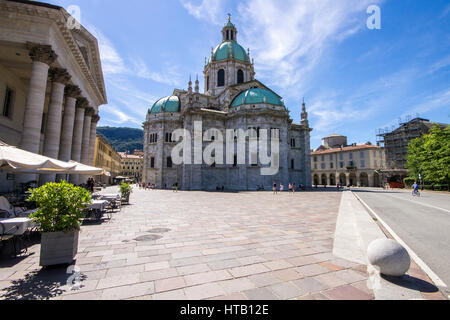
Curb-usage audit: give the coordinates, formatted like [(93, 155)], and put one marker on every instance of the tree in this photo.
[(429, 156)]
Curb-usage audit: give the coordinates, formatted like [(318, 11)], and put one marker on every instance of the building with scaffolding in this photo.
[(395, 142)]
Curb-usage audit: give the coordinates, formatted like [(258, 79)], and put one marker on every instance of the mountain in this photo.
[(123, 139)]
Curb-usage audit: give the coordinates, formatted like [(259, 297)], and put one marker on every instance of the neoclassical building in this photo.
[(232, 99), (51, 84), (358, 165)]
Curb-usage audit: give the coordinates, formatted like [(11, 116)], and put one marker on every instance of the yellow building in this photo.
[(132, 165), (349, 165), (108, 159)]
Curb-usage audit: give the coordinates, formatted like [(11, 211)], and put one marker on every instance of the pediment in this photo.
[(88, 47)]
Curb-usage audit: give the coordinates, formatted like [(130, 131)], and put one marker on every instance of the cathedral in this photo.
[(232, 99)]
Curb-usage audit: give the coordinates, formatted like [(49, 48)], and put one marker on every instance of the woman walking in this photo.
[(275, 188)]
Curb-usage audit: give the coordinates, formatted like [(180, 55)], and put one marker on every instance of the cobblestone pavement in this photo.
[(199, 245)]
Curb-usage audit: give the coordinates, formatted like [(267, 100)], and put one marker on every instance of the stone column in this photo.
[(371, 178), (93, 136), (86, 136), (85, 145), (65, 148), (42, 56), (59, 78), (82, 105)]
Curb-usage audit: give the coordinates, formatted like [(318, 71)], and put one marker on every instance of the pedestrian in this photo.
[(290, 188), (293, 188), (281, 188), (90, 185), (275, 188)]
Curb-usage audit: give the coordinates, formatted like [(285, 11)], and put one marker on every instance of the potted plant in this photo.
[(61, 209), (125, 191)]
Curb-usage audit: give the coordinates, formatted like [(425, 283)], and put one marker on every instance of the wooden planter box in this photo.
[(58, 248)]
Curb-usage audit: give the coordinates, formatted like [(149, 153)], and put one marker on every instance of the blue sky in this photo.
[(354, 80)]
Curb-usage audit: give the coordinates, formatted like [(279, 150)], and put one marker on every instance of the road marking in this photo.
[(421, 203), (433, 276)]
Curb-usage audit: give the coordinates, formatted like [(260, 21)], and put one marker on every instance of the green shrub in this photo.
[(61, 206), (125, 189)]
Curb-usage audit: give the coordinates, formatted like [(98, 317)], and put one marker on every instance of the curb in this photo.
[(430, 273)]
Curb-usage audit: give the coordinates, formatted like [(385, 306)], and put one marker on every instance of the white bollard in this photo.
[(390, 257)]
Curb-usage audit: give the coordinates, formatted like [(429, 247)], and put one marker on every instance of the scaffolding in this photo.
[(396, 140)]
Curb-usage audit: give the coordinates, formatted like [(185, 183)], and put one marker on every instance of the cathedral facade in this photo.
[(232, 100)]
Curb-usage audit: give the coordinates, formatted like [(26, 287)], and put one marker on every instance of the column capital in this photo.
[(59, 75), (42, 53), (72, 91), (82, 103), (95, 118), (90, 112)]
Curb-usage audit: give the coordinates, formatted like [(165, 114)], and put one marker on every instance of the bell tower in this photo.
[(229, 63), (229, 31)]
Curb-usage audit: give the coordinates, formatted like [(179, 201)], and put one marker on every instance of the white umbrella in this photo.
[(85, 169), (18, 160)]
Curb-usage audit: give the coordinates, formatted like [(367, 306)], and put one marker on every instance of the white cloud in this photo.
[(210, 10), (169, 75), (120, 117), (128, 104), (431, 102), (288, 38), (112, 62)]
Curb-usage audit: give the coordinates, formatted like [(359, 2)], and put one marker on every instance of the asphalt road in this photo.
[(422, 223)]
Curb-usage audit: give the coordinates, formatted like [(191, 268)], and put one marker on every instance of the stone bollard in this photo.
[(390, 257)]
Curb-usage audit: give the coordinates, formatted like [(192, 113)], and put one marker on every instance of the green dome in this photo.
[(229, 25), (222, 51), (256, 96), (167, 104)]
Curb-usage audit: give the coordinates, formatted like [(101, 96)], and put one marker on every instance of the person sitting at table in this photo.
[(9, 211)]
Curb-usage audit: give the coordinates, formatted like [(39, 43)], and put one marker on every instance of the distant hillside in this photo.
[(123, 139)]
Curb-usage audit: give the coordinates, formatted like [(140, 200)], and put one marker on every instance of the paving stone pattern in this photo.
[(233, 246)]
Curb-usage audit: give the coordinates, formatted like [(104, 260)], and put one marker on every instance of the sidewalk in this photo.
[(355, 230)]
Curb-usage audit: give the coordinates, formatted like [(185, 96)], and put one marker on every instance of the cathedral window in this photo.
[(152, 162), (240, 76), (221, 78), (169, 162), (232, 35), (228, 34), (169, 137), (292, 142), (207, 83), (153, 138)]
